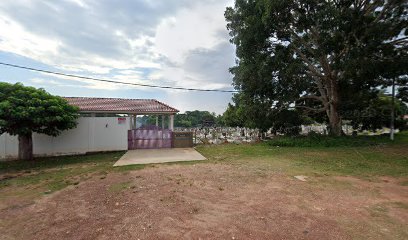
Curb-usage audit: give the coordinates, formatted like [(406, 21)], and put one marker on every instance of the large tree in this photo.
[(24, 110), (319, 56)]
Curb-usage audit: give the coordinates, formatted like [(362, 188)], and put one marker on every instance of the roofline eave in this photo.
[(129, 112)]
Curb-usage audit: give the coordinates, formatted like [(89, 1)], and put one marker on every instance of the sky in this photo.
[(181, 43)]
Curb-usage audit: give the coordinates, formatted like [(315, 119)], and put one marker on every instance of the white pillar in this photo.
[(171, 122), (157, 121)]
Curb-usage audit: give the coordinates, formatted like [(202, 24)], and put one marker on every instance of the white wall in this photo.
[(92, 134)]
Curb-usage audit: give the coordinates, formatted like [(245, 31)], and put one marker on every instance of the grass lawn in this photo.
[(361, 156), (246, 180)]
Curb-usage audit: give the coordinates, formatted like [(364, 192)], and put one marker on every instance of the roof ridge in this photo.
[(98, 104), (150, 99), (166, 105)]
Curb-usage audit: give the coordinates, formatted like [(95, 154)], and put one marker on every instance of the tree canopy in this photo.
[(24, 110), (377, 114), (323, 58)]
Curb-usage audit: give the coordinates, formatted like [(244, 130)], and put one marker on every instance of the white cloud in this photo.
[(15, 39), (161, 42), (46, 82), (196, 41), (191, 29), (79, 2)]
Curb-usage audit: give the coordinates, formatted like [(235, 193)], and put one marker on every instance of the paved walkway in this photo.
[(146, 156)]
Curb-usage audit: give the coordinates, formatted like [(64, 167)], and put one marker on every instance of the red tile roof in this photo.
[(120, 105)]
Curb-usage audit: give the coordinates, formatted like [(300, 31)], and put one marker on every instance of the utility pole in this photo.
[(392, 110)]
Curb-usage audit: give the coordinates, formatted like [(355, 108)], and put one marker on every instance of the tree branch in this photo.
[(317, 110), (309, 64), (320, 87), (385, 9), (400, 40), (318, 98)]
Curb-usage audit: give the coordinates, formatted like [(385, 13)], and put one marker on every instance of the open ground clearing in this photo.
[(241, 192)]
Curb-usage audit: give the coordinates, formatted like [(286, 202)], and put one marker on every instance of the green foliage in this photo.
[(194, 119), (233, 116), (317, 140), (323, 57), (377, 115), (24, 110), (189, 119), (402, 94), (259, 115), (287, 122)]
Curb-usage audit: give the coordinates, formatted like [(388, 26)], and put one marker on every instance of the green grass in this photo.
[(61, 161), (363, 160), (316, 140)]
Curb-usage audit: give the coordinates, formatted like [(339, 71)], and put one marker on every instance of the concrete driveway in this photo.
[(147, 156)]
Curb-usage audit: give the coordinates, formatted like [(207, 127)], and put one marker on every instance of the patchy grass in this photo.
[(372, 156), (118, 187), (378, 210), (400, 205), (404, 183), (59, 162), (47, 175), (261, 175)]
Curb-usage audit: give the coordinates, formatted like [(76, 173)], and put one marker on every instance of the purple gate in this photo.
[(149, 137)]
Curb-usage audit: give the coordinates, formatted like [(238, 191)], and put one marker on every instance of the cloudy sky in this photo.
[(180, 43)]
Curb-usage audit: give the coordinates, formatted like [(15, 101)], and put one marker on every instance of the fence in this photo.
[(219, 135), (93, 134)]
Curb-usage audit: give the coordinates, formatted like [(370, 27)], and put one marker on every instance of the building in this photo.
[(105, 124)]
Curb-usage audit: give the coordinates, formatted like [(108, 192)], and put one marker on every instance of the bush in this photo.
[(317, 140)]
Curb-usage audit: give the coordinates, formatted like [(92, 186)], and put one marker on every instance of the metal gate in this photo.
[(149, 137)]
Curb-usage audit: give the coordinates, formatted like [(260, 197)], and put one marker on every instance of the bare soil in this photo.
[(212, 201)]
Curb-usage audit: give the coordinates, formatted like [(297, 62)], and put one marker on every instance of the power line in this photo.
[(117, 82)]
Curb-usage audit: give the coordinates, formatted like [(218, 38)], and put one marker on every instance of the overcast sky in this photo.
[(161, 42)]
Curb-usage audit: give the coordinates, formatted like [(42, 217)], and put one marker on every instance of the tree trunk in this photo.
[(25, 147), (334, 122)]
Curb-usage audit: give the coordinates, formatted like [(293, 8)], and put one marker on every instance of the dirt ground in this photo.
[(212, 201)]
